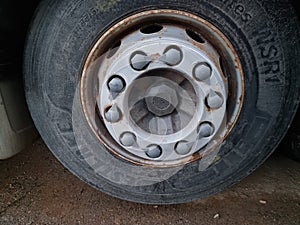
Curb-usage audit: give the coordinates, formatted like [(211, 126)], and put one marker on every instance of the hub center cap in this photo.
[(162, 99)]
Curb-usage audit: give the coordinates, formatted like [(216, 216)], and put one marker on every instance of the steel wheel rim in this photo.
[(231, 73)]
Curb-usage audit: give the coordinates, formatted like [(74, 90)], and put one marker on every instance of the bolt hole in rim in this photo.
[(114, 85)]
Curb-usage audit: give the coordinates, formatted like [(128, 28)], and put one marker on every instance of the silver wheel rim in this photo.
[(169, 76)]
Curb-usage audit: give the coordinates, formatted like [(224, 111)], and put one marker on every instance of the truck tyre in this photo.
[(107, 81)]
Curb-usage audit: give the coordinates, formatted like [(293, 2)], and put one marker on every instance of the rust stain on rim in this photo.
[(118, 28)]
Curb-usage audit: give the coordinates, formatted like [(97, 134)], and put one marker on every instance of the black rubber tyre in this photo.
[(291, 143), (266, 36)]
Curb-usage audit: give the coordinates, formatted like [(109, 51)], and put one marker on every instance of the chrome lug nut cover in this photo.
[(154, 151), (113, 114), (140, 60), (172, 56), (183, 148), (116, 84), (128, 139), (202, 72), (205, 130), (214, 100)]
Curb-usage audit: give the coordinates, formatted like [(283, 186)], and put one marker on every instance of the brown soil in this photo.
[(36, 189)]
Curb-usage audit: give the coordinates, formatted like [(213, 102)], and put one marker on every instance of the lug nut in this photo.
[(116, 84), (113, 114), (140, 61), (205, 129), (183, 147), (214, 100), (202, 72), (154, 151), (172, 56), (128, 139)]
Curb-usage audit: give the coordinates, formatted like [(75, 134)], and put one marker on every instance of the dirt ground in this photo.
[(36, 189)]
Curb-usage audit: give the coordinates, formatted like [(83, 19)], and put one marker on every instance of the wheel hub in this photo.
[(160, 88), (162, 96), (161, 99)]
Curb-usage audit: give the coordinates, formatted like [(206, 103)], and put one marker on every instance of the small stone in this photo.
[(262, 202), (216, 216)]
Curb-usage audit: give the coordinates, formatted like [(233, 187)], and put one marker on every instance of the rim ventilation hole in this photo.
[(151, 29), (195, 36), (113, 50)]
